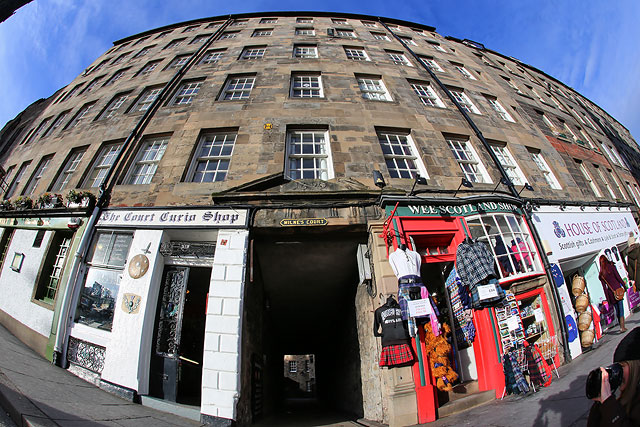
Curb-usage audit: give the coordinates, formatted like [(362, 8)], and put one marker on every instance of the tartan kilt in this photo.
[(398, 354)]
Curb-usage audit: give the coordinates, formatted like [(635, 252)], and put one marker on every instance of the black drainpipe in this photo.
[(512, 189)]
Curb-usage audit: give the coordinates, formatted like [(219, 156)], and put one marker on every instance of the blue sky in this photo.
[(590, 45)]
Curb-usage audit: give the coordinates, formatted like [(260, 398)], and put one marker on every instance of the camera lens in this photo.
[(615, 376)]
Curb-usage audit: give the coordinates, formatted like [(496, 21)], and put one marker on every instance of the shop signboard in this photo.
[(154, 218), (576, 232), (633, 298), (453, 210)]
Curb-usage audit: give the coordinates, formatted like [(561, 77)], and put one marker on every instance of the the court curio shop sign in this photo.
[(154, 218)]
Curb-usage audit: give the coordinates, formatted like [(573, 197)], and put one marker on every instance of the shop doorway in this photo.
[(308, 325), (177, 348)]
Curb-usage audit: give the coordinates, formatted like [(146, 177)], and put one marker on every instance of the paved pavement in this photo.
[(561, 404), (36, 393)]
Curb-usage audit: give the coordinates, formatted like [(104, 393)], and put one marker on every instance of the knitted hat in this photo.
[(629, 347), (632, 239)]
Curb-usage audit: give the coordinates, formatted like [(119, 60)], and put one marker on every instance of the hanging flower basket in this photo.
[(80, 199), (50, 201), (23, 203)]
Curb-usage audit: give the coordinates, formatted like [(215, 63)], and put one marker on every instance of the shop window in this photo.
[(508, 238), (107, 258), (53, 266), (5, 242)]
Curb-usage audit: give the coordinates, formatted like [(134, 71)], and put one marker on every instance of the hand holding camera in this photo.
[(603, 382)]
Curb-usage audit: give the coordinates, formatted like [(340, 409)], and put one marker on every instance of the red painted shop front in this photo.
[(436, 238)]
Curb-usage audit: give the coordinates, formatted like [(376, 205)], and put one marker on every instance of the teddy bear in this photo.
[(439, 352)]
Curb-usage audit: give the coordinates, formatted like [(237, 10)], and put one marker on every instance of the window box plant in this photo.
[(49, 201), (6, 205), (24, 203), (80, 199)]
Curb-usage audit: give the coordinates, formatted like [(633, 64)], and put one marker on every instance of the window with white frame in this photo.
[(262, 32), (432, 64), (92, 85), (305, 31), (41, 169), (200, 39), (508, 238), (605, 181), (401, 155), (239, 22), (427, 94), (81, 115), (68, 169), (511, 84), (355, 53), (116, 76), (498, 108), (618, 186), (174, 43), (304, 20), (308, 155), (191, 28), (369, 24), (437, 47), (253, 52), (380, 36), (568, 130), (373, 88), (305, 51), (212, 157), (186, 92), (634, 193), (53, 266), (229, 35), (468, 160), (16, 180), (536, 94), (212, 56), (339, 21), (114, 106), (148, 68), (547, 122), (73, 91), (408, 40), (59, 120), (398, 58), (555, 101), (586, 138), (345, 33), (586, 117), (293, 366), (464, 101), (179, 61), (143, 52), (163, 34), (141, 40), (306, 85), (589, 179), (120, 58), (100, 66), (238, 87), (40, 129), (101, 165), (462, 70), (147, 159), (269, 20), (147, 98), (548, 174), (509, 164), (107, 258)]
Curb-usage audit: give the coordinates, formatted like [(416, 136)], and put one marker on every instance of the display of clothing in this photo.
[(514, 381), (405, 262), (475, 266), (503, 256), (411, 288), (539, 370), (396, 355), (523, 257), (460, 304), (388, 324)]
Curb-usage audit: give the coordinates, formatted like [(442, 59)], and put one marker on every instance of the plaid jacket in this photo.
[(474, 263)]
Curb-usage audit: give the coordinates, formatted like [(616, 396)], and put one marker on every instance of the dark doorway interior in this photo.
[(177, 350), (309, 284)]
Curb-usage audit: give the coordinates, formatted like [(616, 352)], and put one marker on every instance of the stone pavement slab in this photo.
[(36, 393)]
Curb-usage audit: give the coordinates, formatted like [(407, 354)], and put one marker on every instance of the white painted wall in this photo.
[(16, 288), (221, 366), (127, 354)]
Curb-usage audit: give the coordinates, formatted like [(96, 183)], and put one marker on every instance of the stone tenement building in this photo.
[(248, 177)]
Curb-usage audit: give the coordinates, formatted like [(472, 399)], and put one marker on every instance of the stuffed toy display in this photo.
[(439, 353)]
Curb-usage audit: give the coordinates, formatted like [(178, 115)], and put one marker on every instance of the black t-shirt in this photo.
[(394, 329)]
